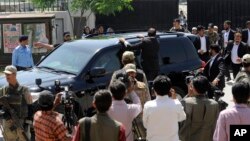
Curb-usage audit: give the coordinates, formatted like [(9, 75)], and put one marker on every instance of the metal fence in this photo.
[(201, 12), (146, 13), (20, 6)]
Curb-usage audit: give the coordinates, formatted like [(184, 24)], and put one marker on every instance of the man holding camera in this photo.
[(161, 116), (128, 57), (201, 113), (20, 100), (48, 124), (100, 127)]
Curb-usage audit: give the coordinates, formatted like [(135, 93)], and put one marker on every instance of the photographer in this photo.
[(141, 90), (201, 112), (47, 123), (161, 116), (128, 57), (122, 112), (100, 127)]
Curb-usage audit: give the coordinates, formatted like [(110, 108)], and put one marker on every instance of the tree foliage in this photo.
[(104, 7), (43, 3)]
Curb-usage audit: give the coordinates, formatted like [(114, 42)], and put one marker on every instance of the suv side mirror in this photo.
[(97, 72)]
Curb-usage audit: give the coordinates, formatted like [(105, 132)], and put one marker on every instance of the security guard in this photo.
[(19, 98), (244, 74)]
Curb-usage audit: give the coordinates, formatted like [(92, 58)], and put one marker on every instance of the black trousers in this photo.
[(227, 68), (236, 69)]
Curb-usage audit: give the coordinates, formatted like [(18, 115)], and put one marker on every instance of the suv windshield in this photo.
[(68, 58)]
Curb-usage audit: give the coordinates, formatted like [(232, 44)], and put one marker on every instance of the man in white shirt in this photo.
[(161, 116), (202, 44), (234, 52), (120, 110), (227, 35)]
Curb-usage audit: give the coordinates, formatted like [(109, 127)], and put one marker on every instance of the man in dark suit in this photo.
[(215, 67), (227, 34), (201, 43), (234, 52), (246, 34), (149, 53)]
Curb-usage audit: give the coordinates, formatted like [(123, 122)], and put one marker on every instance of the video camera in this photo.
[(67, 99), (127, 80), (212, 93)]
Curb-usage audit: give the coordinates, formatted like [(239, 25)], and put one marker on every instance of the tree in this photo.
[(103, 7), (43, 3)]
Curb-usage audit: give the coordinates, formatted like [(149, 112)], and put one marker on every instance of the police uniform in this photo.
[(142, 92), (18, 98), (244, 75)]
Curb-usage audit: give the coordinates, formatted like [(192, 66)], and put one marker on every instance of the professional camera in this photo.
[(127, 80), (67, 100), (188, 79), (213, 92)]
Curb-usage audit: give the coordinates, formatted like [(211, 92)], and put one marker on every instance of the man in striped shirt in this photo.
[(48, 125)]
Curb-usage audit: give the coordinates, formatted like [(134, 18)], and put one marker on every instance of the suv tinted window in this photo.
[(109, 60), (68, 57), (172, 51)]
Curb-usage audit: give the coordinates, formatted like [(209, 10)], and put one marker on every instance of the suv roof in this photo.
[(96, 42)]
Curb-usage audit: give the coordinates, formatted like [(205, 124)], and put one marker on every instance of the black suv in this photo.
[(88, 64)]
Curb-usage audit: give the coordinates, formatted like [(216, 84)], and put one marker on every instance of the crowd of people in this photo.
[(126, 110)]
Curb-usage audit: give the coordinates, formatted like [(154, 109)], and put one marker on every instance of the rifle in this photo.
[(15, 119)]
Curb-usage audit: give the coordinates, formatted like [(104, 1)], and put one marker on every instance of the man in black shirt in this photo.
[(149, 47)]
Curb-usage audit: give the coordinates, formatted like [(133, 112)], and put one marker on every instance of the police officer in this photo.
[(22, 55), (19, 98)]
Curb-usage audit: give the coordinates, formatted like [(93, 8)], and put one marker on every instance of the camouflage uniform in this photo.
[(19, 99), (142, 92), (213, 37), (244, 75)]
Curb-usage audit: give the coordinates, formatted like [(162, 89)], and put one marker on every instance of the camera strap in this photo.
[(87, 128)]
